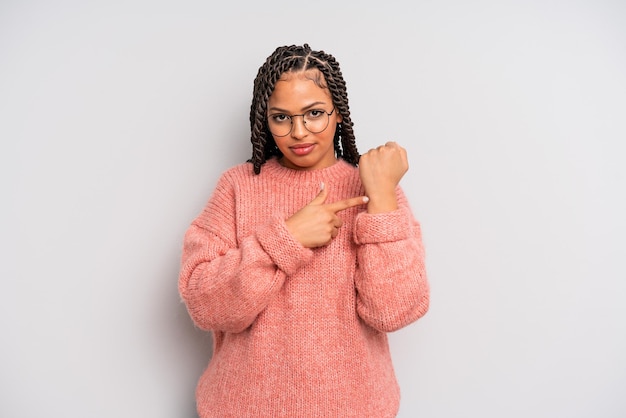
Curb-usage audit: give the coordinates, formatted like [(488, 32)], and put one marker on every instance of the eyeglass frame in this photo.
[(303, 122)]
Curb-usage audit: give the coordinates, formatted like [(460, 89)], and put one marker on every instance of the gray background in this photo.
[(116, 118)]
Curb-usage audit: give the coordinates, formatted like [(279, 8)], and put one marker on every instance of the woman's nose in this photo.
[(298, 127)]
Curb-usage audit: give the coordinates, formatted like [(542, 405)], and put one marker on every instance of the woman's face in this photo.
[(296, 94)]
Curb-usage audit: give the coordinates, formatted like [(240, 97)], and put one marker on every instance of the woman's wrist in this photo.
[(382, 202)]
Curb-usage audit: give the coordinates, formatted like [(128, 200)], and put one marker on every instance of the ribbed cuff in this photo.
[(382, 227), (284, 250)]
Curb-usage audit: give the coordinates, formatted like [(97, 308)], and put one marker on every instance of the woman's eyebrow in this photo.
[(278, 109)]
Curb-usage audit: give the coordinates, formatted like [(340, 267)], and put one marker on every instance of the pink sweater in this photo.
[(299, 332)]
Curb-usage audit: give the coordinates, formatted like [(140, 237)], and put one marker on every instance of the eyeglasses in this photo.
[(315, 121)]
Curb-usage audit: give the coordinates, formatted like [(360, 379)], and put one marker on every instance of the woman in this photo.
[(304, 258)]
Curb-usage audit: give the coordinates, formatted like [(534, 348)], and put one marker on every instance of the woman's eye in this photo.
[(280, 118), (315, 113)]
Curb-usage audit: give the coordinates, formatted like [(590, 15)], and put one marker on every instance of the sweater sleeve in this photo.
[(392, 287), (224, 283)]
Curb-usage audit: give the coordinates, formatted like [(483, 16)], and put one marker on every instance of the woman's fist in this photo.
[(381, 169)]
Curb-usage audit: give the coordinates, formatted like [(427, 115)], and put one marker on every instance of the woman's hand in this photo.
[(317, 223), (381, 170)]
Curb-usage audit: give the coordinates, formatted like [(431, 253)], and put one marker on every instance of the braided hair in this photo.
[(298, 58)]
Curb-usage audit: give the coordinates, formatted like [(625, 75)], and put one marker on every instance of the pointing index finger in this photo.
[(344, 204)]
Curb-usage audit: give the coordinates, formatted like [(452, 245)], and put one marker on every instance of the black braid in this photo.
[(295, 58)]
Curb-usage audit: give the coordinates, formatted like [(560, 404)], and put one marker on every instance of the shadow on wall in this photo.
[(197, 344), (185, 350)]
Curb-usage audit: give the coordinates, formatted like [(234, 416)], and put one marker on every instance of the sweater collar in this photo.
[(338, 170)]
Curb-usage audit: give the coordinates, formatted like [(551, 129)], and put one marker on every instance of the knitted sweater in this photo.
[(299, 332)]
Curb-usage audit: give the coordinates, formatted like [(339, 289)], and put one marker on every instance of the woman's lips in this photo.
[(302, 149)]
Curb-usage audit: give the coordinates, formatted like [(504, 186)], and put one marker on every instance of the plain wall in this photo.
[(117, 117)]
